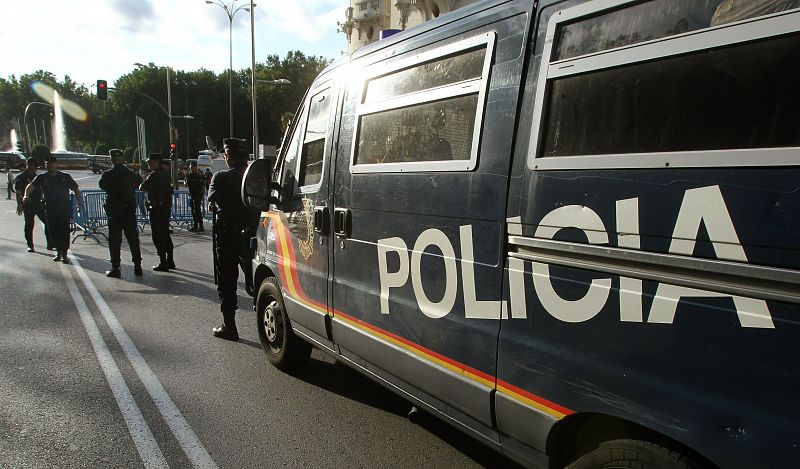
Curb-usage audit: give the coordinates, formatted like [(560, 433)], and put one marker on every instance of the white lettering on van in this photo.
[(391, 279), (435, 309), (703, 205), (587, 307), (473, 307), (630, 289)]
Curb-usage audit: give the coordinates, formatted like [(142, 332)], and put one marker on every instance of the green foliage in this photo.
[(101, 149), (128, 154), (199, 93)]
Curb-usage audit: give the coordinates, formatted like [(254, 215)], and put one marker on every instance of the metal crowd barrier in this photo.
[(92, 218)]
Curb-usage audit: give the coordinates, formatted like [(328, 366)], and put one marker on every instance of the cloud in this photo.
[(136, 14)]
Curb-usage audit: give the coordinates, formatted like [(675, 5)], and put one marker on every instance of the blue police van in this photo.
[(569, 228)]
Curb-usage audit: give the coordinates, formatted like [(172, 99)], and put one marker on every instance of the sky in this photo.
[(93, 39)]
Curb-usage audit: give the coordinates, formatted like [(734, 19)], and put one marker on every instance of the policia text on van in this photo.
[(568, 228)]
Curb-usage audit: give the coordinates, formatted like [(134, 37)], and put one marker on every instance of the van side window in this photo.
[(686, 78), (424, 113), (314, 141), (290, 169)]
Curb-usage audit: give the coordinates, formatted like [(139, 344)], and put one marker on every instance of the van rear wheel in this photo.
[(625, 453), (283, 348)]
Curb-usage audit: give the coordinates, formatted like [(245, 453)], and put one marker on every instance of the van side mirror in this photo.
[(257, 185)]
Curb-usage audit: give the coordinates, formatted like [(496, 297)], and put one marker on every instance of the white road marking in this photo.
[(188, 440), (86, 177), (143, 438)]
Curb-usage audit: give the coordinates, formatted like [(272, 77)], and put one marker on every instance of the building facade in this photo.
[(365, 20)]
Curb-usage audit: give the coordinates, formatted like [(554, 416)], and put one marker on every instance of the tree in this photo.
[(40, 153)]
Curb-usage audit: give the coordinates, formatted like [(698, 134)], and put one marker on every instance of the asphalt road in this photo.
[(97, 372)]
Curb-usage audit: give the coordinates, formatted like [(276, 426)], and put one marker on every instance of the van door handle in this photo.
[(321, 220), (342, 222)]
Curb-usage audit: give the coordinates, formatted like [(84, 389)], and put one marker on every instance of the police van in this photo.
[(569, 228)]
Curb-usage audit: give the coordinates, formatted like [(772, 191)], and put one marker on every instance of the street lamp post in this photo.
[(186, 109), (231, 11)]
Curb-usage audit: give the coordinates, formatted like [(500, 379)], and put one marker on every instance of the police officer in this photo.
[(120, 184), (197, 188), (34, 207), (55, 186), (234, 226), (159, 195)]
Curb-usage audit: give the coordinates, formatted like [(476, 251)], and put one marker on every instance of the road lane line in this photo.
[(188, 440), (143, 438)]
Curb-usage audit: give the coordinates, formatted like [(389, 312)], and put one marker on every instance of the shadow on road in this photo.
[(346, 382)]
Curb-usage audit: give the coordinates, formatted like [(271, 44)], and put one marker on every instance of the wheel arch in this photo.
[(579, 433), (262, 273)]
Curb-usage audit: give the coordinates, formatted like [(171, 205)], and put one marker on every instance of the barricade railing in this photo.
[(93, 217), (181, 208)]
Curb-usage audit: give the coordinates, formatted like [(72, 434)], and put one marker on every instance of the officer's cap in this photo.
[(236, 147), (156, 157), (115, 153)]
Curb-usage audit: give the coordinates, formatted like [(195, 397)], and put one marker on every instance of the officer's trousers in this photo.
[(197, 208), (117, 224), (58, 216), (229, 259), (30, 212), (159, 225)]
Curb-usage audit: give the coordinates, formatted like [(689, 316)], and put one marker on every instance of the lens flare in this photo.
[(46, 93)]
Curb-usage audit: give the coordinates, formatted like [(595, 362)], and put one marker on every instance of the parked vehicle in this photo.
[(99, 163), (70, 160), (568, 228), (12, 158)]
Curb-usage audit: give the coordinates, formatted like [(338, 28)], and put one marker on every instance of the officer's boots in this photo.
[(170, 262), (162, 266), (114, 272), (193, 228), (137, 269), (200, 227), (227, 330)]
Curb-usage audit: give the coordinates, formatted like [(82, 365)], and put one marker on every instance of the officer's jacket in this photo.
[(196, 183), (225, 191), (55, 188), (158, 188), (120, 184), (21, 181)]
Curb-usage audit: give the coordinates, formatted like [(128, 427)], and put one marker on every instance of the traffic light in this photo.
[(172, 148), (102, 90)]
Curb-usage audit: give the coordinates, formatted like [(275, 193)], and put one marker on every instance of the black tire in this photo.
[(282, 347), (616, 454)]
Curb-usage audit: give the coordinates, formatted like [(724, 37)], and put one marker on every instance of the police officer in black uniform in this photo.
[(120, 184), (197, 187), (234, 226), (159, 202), (55, 186), (34, 207)]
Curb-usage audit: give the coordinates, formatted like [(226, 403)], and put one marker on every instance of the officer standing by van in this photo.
[(34, 207), (120, 184), (56, 185), (159, 202), (196, 183), (234, 226)]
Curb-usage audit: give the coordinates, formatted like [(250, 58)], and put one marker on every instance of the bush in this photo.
[(101, 149), (41, 153)]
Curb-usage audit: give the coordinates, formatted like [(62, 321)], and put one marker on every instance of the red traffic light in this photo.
[(102, 90), (173, 146)]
